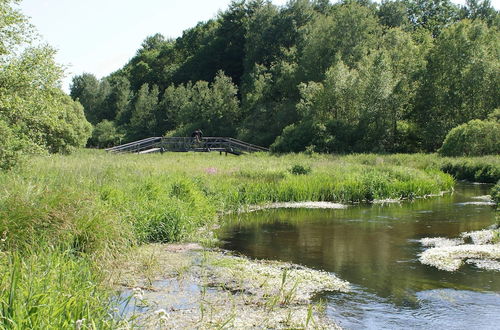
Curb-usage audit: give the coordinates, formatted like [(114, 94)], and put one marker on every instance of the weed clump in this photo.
[(298, 169)]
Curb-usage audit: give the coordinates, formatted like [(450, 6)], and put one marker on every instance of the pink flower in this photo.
[(211, 170)]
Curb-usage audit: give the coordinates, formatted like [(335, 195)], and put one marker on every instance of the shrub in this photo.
[(475, 138), (495, 193), (298, 169), (105, 135), (485, 170)]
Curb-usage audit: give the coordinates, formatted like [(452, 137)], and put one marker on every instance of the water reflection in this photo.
[(375, 247)]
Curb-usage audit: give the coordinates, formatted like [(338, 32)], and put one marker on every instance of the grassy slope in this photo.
[(60, 214)]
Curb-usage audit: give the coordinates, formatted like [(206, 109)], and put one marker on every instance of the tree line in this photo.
[(352, 76)]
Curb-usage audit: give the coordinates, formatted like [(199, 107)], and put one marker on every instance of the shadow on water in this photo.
[(376, 248)]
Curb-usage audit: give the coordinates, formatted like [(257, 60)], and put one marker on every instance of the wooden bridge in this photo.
[(185, 144)]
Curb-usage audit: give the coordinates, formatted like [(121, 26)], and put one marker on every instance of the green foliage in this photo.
[(394, 77), (51, 290), (495, 193), (105, 135), (348, 34), (433, 15), (35, 115), (12, 149), (461, 82), (299, 169), (471, 169), (143, 120), (475, 138)]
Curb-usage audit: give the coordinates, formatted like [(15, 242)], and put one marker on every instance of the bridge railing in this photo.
[(189, 144), (137, 146)]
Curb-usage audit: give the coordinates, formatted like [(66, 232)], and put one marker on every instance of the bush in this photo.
[(298, 169), (475, 138), (105, 135), (473, 169), (495, 193)]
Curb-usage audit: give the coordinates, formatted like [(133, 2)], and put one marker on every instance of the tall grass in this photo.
[(51, 290), (87, 207)]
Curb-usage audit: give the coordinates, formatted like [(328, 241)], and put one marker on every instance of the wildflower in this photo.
[(79, 324), (138, 293), (163, 319), (161, 312), (211, 170)]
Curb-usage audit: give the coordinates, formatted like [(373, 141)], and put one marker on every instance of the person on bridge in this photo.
[(197, 135)]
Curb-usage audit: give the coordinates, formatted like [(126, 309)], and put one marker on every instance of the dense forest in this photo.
[(353, 76)]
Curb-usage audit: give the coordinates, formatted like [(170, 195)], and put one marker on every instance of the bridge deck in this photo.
[(186, 144)]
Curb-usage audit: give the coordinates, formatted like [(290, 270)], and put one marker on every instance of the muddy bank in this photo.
[(186, 286), (480, 248)]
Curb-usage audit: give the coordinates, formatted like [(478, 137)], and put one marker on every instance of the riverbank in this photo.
[(86, 209), (187, 286)]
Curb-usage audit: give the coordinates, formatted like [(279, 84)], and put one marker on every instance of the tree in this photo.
[(479, 9), (15, 29), (462, 81), (433, 15), (85, 89), (393, 13), (143, 121), (269, 100), (105, 134), (39, 115), (116, 105), (475, 138), (348, 34)]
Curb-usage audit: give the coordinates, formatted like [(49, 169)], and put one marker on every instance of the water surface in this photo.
[(375, 248)]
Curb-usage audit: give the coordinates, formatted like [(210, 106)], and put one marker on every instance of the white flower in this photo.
[(164, 318), (137, 293), (79, 324), (161, 312)]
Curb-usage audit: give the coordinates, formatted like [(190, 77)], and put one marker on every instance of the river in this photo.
[(375, 247)]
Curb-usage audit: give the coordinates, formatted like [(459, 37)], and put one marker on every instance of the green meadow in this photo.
[(64, 220)]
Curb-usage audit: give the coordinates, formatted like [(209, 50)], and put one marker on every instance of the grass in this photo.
[(88, 207)]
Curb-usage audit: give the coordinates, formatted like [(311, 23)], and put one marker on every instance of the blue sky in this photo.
[(100, 36)]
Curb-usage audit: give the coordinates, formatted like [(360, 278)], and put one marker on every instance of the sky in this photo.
[(100, 36)]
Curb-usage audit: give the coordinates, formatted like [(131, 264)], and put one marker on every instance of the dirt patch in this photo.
[(214, 289)]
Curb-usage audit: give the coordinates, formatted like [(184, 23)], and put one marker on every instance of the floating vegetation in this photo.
[(296, 205), (451, 254)]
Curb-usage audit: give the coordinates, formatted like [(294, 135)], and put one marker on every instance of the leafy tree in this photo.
[(393, 13), (143, 120), (462, 81), (39, 115), (348, 34), (479, 9), (15, 30), (85, 89), (105, 134), (116, 105), (433, 15), (269, 100), (475, 138)]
